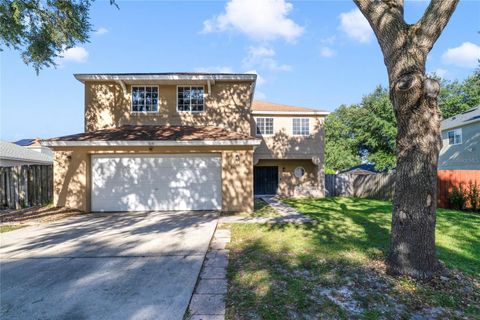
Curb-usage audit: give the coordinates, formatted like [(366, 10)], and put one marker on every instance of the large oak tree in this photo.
[(43, 29), (414, 97)]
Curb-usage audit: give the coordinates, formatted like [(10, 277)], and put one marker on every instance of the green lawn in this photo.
[(335, 269), (8, 227)]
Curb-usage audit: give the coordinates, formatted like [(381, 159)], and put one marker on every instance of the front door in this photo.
[(265, 180)]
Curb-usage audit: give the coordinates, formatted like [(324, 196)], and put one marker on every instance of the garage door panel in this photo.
[(161, 182)]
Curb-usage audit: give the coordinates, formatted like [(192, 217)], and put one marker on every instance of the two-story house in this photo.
[(184, 141), (461, 141), (289, 160)]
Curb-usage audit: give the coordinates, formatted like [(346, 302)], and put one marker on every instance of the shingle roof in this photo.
[(11, 151), (466, 117), (157, 133), (364, 167), (269, 106), (27, 142)]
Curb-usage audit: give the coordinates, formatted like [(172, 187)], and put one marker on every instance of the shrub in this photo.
[(472, 195), (457, 198)]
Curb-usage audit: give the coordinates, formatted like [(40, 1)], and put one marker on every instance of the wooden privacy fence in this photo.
[(381, 185), (449, 178), (375, 186), (25, 186)]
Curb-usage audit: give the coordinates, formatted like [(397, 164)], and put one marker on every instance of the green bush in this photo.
[(473, 195), (457, 198)]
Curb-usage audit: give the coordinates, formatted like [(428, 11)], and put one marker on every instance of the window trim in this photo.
[(461, 137), (301, 134), (264, 134), (144, 86), (190, 86)]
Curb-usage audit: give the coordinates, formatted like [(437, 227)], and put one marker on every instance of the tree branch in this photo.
[(386, 19), (430, 26)]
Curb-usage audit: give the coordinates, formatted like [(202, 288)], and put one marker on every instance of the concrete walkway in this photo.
[(287, 215), (208, 300)]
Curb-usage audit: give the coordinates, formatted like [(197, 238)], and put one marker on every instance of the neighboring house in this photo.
[(13, 155), (184, 141), (364, 168), (34, 144), (461, 141)]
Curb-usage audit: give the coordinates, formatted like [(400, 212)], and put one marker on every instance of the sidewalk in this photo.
[(287, 215)]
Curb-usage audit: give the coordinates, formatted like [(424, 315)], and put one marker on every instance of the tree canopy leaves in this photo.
[(362, 132), (366, 132), (456, 97), (42, 29)]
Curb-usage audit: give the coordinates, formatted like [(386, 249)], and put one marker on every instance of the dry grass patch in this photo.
[(36, 215)]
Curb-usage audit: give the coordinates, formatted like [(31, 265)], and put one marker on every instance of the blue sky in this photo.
[(318, 54)]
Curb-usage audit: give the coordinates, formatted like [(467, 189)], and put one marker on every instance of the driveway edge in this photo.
[(208, 298)]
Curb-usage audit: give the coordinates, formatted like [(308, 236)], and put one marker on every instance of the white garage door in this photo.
[(156, 182)]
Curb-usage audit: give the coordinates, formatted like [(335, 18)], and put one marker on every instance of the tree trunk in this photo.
[(405, 48), (412, 249)]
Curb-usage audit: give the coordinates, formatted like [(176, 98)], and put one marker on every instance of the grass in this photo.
[(335, 269), (9, 227)]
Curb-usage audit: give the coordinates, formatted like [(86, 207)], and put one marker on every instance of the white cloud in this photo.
[(354, 24), (261, 52), (101, 31), (259, 95), (466, 55), (327, 52), (329, 40), (75, 54), (440, 72), (260, 80), (259, 19), (214, 69), (263, 57), (274, 65)]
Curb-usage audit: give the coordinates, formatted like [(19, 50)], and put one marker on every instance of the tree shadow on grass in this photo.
[(307, 271), (364, 224)]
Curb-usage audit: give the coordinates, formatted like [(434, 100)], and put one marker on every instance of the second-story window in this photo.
[(264, 126), (455, 136), (190, 98), (301, 127), (144, 98)]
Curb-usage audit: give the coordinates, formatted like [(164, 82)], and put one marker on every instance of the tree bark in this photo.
[(414, 98), (412, 250)]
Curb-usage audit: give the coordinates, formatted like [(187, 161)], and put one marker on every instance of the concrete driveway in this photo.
[(104, 266)]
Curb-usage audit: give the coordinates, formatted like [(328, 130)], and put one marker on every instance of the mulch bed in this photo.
[(41, 214)]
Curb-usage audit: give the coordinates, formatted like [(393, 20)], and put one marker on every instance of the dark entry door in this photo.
[(265, 180)]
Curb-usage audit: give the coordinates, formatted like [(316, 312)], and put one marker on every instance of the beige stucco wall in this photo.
[(71, 179), (72, 167), (108, 105), (311, 184), (284, 145)]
